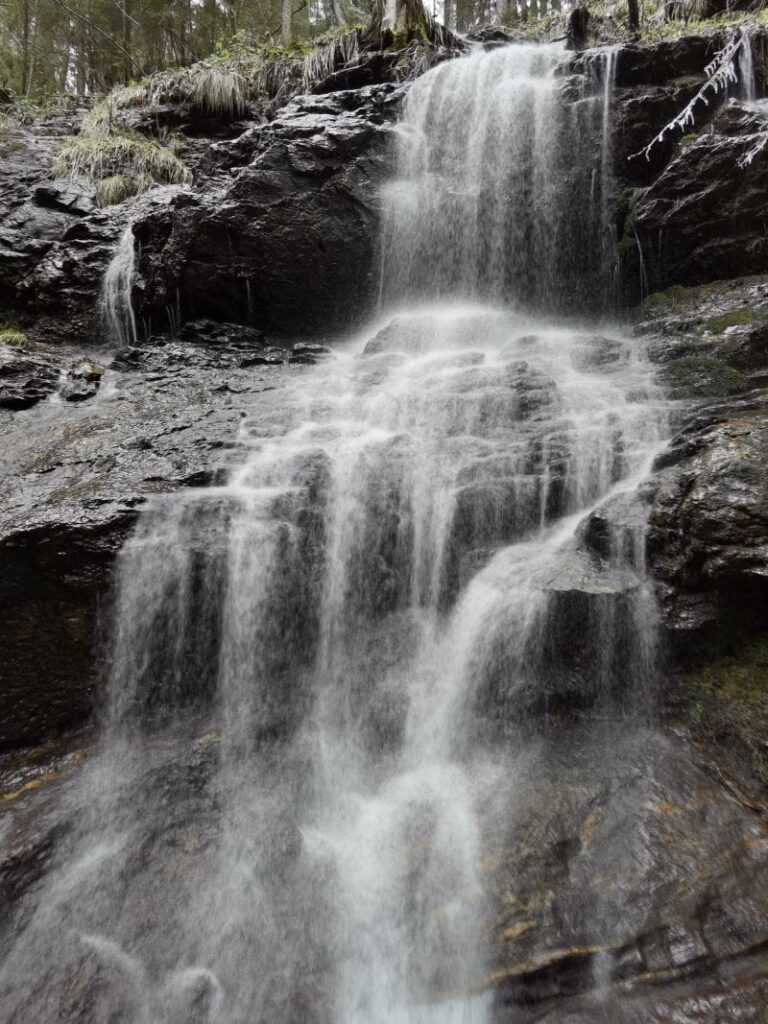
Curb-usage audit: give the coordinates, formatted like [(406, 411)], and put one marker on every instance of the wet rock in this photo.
[(82, 382), (615, 887), (598, 352), (54, 245), (708, 530), (207, 332), (701, 219), (26, 378), (615, 530), (287, 245), (65, 196), (74, 476)]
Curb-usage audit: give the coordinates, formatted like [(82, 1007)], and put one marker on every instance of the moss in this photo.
[(705, 377), (735, 318), (728, 700), (688, 137)]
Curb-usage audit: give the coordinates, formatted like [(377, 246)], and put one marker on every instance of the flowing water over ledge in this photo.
[(326, 621), (345, 638)]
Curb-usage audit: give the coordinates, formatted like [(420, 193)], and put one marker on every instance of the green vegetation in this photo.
[(119, 162), (728, 700), (10, 335), (113, 190), (688, 137), (117, 154), (212, 52), (674, 297), (704, 377), (734, 318)]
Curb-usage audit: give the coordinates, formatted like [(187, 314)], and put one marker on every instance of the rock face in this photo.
[(689, 208), (708, 527), (620, 872), (54, 244), (601, 888), (289, 242), (703, 218), (74, 475)]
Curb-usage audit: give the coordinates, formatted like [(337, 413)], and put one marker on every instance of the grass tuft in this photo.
[(10, 335)]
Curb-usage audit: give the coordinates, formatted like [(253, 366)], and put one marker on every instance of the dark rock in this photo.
[(26, 378), (64, 195), (615, 530), (616, 895), (702, 218), (72, 483), (288, 245), (207, 332), (709, 526)]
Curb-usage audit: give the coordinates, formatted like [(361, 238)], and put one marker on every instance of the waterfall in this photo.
[(502, 181), (310, 663), (747, 86), (116, 300)]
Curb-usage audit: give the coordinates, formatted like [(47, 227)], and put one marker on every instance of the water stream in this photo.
[(314, 665), (116, 299)]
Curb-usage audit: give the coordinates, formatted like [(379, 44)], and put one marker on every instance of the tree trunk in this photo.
[(31, 43), (287, 23), (634, 17), (127, 41), (25, 19), (578, 28)]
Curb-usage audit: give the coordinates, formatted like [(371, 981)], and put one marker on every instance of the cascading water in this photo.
[(309, 663), (502, 183), (116, 299)]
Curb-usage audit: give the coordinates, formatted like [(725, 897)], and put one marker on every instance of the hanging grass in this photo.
[(224, 84), (115, 189), (10, 335), (334, 51), (98, 155)]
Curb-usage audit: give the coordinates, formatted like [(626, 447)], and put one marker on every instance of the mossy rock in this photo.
[(672, 298), (688, 137), (727, 700), (703, 377), (741, 317)]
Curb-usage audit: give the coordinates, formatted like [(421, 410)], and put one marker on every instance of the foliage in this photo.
[(13, 336), (223, 84), (673, 298), (704, 377)]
